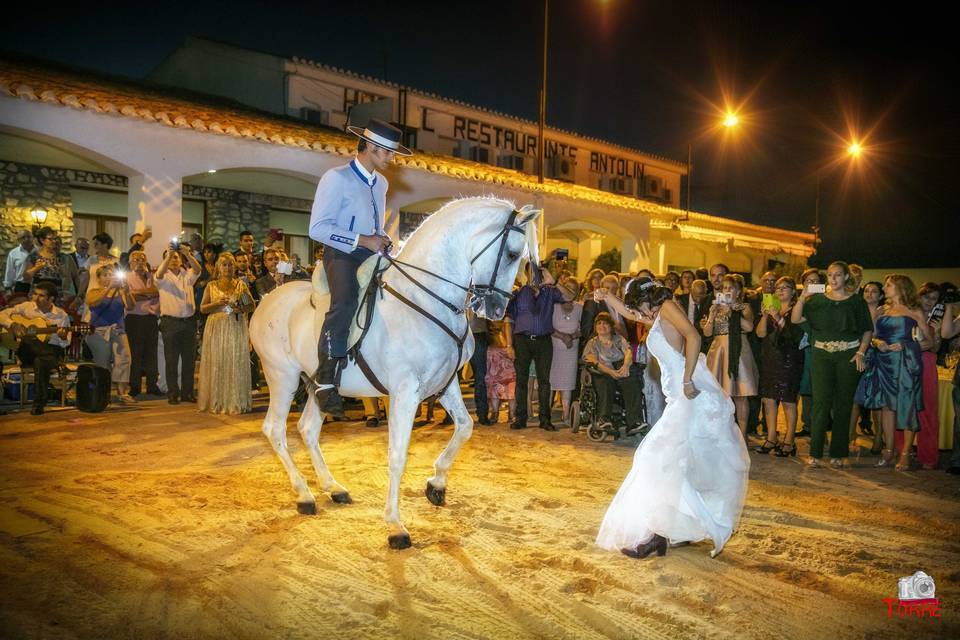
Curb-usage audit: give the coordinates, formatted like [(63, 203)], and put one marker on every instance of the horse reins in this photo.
[(477, 292)]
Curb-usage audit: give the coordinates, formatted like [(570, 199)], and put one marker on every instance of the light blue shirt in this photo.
[(350, 201)]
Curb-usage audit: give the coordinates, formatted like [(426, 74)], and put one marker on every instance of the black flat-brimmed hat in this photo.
[(383, 135)]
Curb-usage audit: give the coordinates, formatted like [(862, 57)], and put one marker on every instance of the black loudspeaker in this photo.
[(93, 388)]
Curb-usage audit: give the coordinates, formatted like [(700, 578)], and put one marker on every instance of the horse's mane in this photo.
[(487, 202)]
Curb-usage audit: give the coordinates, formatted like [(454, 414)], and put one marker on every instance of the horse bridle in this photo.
[(484, 290), (478, 294)]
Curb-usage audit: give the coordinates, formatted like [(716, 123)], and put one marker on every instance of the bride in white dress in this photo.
[(689, 475)]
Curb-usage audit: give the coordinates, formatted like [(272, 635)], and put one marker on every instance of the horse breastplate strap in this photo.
[(476, 290), (365, 366), (413, 305), (459, 340)]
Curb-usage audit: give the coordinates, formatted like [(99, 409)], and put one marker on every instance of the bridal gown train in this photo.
[(689, 475)]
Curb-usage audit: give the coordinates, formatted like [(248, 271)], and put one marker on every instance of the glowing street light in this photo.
[(730, 120), (853, 151)]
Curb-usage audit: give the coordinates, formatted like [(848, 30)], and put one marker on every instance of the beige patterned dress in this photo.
[(225, 357), (718, 358)]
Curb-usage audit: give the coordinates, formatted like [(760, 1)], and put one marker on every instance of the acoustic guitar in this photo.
[(36, 327)]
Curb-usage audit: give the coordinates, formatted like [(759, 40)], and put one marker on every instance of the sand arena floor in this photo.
[(159, 522)]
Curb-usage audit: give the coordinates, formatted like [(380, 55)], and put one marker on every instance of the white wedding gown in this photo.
[(689, 475)]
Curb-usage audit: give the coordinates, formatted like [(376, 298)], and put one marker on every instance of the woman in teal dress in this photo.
[(893, 383)]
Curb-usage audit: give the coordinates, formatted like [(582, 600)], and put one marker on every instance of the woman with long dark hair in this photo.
[(872, 293), (730, 357), (928, 440), (689, 475), (808, 277), (781, 361)]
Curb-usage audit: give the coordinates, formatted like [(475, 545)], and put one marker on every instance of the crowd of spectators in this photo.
[(833, 353), (145, 324), (823, 348)]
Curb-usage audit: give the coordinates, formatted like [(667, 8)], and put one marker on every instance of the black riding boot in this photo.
[(321, 384), (328, 399)]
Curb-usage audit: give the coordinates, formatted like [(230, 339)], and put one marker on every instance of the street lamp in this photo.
[(730, 121), (854, 149), (543, 94), (39, 216), (541, 123)]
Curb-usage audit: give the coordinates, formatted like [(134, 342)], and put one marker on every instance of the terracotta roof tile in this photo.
[(204, 114)]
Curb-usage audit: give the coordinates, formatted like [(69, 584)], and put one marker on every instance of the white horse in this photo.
[(471, 245)]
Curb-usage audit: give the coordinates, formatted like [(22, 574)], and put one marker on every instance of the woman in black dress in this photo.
[(781, 366)]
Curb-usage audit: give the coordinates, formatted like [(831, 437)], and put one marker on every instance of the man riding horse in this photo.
[(348, 219)]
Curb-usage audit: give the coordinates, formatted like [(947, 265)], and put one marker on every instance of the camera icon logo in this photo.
[(919, 586)]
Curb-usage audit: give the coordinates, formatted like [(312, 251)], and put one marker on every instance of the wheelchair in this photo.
[(584, 412)]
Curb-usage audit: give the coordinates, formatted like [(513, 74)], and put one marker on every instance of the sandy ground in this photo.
[(157, 521)]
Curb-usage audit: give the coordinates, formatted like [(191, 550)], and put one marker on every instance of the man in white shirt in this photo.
[(17, 263), (348, 217), (178, 323), (43, 356), (142, 325)]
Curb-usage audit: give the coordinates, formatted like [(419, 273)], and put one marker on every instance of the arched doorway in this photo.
[(76, 191), (223, 203), (586, 239)]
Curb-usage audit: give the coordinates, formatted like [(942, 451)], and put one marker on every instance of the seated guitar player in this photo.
[(42, 330)]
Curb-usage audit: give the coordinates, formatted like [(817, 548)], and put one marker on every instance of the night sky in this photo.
[(805, 79)]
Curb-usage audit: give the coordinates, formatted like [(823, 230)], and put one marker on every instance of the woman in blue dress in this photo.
[(894, 384)]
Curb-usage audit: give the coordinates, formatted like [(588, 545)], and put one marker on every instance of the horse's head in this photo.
[(499, 249)]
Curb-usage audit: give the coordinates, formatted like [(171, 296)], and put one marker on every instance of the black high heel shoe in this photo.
[(765, 449), (658, 543), (783, 452)]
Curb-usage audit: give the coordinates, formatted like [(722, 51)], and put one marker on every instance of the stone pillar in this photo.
[(758, 265), (587, 251), (155, 200), (541, 223), (391, 223), (630, 255)]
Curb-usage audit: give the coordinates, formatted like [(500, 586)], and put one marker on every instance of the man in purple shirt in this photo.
[(530, 314)]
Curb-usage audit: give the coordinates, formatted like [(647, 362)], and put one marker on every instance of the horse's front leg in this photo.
[(452, 401), (309, 426), (403, 409), (282, 388)]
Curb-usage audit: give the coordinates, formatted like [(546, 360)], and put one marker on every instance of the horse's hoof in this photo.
[(307, 508), (399, 541), (341, 498), (437, 497)]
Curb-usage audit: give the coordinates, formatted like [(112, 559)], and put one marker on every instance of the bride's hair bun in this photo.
[(640, 290)]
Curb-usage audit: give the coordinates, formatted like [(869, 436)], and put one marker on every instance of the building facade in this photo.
[(98, 154), (335, 97)]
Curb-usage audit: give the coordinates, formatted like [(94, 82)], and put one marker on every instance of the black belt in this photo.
[(527, 335), (178, 317)]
